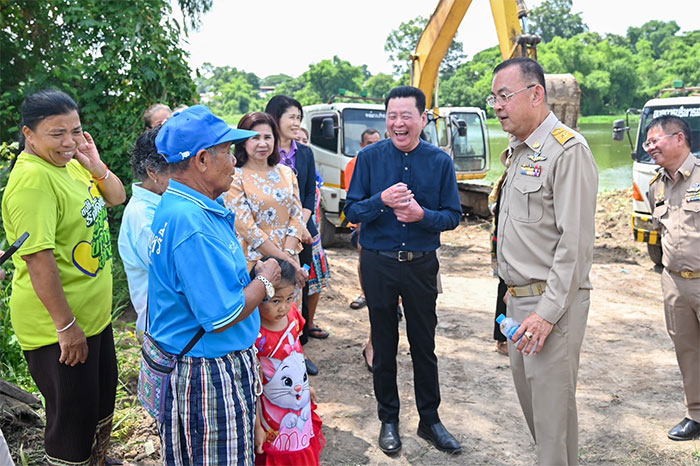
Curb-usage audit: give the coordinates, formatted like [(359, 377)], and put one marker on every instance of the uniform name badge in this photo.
[(529, 169), (692, 194)]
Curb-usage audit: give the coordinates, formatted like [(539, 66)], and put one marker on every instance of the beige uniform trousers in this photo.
[(546, 382), (682, 310)]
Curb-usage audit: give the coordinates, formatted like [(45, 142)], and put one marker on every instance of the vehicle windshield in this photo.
[(469, 152), (355, 121), (691, 113)]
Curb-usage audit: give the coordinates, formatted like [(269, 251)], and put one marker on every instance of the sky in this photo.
[(269, 37)]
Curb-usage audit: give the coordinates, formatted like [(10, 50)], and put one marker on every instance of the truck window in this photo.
[(690, 113), (316, 136), (469, 151), (355, 121)]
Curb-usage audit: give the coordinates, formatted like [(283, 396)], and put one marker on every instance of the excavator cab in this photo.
[(461, 132)]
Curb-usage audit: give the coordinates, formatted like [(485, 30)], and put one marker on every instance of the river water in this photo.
[(613, 157)]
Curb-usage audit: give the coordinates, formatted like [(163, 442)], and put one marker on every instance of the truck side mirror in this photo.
[(619, 129), (328, 128)]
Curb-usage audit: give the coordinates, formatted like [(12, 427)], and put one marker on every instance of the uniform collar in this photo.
[(537, 138), (185, 192), (686, 168)]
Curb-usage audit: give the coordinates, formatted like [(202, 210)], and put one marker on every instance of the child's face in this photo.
[(279, 305)]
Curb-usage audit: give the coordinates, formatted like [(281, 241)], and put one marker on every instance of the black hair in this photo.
[(529, 68), (144, 155), (180, 167), (368, 132), (287, 271), (407, 91), (42, 104), (148, 114), (671, 124), (279, 104), (249, 121)]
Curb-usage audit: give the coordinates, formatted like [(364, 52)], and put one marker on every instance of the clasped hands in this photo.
[(402, 201)]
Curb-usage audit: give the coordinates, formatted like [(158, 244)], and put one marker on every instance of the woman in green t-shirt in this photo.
[(59, 191)]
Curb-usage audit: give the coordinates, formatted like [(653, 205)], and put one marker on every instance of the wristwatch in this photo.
[(291, 252), (269, 288)]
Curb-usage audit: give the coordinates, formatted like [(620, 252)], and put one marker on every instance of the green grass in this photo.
[(606, 118)]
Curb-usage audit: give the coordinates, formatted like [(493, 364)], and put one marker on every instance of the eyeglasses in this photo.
[(653, 142), (505, 98)]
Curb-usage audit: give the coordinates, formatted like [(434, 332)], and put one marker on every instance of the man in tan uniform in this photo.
[(675, 196), (545, 246)]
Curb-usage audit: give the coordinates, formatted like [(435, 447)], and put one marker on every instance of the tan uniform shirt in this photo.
[(677, 207), (546, 225)]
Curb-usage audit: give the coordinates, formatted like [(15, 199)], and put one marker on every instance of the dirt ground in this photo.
[(629, 389)]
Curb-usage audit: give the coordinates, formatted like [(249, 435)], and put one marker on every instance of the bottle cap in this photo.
[(500, 318)]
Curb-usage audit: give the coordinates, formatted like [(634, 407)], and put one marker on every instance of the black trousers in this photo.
[(500, 309), (384, 280), (305, 257), (79, 399)]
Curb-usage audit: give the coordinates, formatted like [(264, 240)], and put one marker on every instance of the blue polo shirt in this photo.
[(428, 172), (196, 276)]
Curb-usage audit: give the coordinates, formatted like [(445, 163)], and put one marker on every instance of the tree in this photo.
[(379, 85), (114, 58), (553, 18), (655, 32), (471, 83), (229, 92), (327, 77), (401, 43)]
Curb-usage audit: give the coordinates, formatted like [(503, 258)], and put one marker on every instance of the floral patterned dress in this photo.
[(267, 207)]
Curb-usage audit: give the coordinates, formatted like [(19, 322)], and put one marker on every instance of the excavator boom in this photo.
[(434, 43)]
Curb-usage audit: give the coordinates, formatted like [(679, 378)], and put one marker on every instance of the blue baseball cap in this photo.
[(193, 129)]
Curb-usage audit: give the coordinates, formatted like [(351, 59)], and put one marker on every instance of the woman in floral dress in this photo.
[(264, 195)]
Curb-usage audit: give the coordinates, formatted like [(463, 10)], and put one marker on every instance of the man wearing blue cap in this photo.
[(201, 298)]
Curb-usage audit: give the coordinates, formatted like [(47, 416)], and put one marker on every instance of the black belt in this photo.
[(402, 256)]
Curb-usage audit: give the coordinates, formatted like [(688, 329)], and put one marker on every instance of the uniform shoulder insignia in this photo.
[(656, 177), (562, 135)]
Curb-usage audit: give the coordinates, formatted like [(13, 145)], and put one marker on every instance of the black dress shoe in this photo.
[(311, 368), (687, 429), (389, 439), (440, 437)]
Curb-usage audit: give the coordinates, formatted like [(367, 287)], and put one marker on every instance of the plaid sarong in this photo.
[(210, 411)]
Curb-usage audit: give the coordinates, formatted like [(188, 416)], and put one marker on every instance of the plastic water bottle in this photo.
[(509, 327)]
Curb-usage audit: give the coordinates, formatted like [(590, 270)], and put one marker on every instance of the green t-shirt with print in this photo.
[(63, 210)]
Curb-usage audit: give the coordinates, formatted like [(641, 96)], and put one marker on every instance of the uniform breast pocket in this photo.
[(660, 215), (691, 215), (526, 204)]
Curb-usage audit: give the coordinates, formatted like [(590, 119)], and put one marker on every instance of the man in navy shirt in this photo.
[(404, 192)]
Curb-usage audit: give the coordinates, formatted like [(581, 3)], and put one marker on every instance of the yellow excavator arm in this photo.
[(434, 43), (564, 97)]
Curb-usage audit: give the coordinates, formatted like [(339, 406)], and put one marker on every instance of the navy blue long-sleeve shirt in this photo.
[(428, 172)]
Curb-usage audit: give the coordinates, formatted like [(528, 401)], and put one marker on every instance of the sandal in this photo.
[(359, 302), (364, 355), (502, 347), (318, 333)]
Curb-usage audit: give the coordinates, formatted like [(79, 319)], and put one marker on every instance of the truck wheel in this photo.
[(327, 231), (655, 252)]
